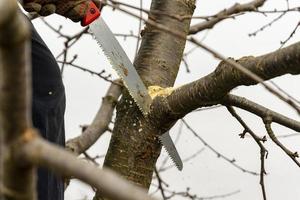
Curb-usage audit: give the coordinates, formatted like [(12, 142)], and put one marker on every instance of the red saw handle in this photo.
[(91, 15)]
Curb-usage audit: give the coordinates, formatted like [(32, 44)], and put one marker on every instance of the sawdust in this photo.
[(155, 91)]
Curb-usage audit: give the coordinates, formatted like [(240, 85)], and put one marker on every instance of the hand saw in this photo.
[(127, 72)]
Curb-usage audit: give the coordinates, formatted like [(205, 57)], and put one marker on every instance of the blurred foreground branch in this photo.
[(15, 118), (41, 153)]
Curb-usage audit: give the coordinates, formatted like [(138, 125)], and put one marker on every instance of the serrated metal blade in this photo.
[(121, 64), (167, 142), (127, 72)]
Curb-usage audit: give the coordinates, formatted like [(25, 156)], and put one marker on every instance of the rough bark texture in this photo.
[(134, 147), (15, 101), (210, 89)]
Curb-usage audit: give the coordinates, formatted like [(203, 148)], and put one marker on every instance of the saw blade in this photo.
[(132, 81), (167, 142), (121, 64)]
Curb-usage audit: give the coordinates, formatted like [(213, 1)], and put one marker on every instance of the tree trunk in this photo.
[(134, 147)]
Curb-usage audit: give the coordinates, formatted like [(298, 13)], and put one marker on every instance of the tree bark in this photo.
[(210, 89), (15, 109), (134, 148)]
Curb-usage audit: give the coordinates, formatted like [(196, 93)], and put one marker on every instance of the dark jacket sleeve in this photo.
[(48, 107)]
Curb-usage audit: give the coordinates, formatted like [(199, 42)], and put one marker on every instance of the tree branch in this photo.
[(100, 123), (259, 141), (261, 111), (293, 155), (210, 89), (44, 154), (160, 185), (249, 74), (218, 154), (15, 118), (224, 14)]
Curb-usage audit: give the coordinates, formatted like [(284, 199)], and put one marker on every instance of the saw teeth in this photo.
[(124, 82), (139, 93), (175, 163)]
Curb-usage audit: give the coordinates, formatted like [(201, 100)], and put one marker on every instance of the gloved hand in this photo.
[(72, 9)]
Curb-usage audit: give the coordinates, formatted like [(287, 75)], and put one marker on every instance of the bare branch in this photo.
[(224, 14), (293, 155), (261, 111), (100, 123), (41, 153), (15, 109), (258, 74), (139, 28), (210, 89), (187, 194), (275, 11), (160, 185), (99, 74), (254, 76), (220, 155), (291, 34), (267, 25), (263, 150)]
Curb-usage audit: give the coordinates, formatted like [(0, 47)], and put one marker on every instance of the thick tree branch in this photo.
[(15, 118), (253, 76), (100, 123), (225, 14), (210, 89), (44, 154), (249, 74)]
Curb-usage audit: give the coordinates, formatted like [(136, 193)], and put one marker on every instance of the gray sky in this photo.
[(206, 175)]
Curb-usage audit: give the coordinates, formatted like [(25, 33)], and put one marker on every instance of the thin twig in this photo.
[(292, 155), (139, 28), (291, 35), (160, 186), (220, 155), (258, 140)]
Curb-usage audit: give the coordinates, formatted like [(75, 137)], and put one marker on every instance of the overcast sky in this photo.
[(206, 175)]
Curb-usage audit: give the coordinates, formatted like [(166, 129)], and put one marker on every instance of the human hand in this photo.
[(75, 10)]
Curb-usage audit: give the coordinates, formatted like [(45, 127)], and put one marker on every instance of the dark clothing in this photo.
[(48, 107)]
